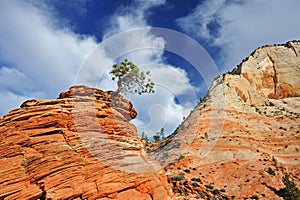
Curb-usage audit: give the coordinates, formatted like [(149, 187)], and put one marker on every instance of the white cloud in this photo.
[(8, 100), (197, 22), (42, 59), (146, 50), (242, 26), (159, 110), (175, 79), (132, 16), (14, 79), (144, 5), (37, 53), (154, 110)]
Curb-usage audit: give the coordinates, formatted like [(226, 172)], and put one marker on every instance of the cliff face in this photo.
[(80, 145), (270, 72), (247, 124)]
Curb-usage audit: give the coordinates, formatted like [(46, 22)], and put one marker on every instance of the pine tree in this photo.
[(291, 191), (130, 79)]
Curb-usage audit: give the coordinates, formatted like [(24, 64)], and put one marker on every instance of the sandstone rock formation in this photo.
[(79, 146), (236, 144), (247, 126)]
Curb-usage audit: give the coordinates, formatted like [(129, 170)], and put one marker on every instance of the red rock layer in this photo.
[(80, 146)]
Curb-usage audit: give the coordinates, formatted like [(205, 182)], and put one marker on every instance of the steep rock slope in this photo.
[(79, 146), (246, 127)]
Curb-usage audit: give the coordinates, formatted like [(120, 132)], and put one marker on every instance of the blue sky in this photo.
[(47, 46)]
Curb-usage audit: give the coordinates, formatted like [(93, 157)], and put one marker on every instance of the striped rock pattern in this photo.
[(247, 123), (79, 146)]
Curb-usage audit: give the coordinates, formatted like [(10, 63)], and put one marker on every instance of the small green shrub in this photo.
[(254, 197), (180, 157), (271, 171), (222, 190), (179, 177), (156, 138), (216, 192), (196, 180), (209, 187), (291, 191), (206, 136), (202, 195), (194, 184)]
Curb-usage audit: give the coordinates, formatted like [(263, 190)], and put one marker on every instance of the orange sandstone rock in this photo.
[(247, 123), (79, 146)]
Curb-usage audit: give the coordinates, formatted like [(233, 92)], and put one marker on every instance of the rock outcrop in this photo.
[(244, 136), (79, 146), (271, 72), (237, 143)]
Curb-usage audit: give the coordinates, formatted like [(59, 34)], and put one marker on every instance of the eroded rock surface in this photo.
[(236, 144), (79, 146), (247, 123)]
